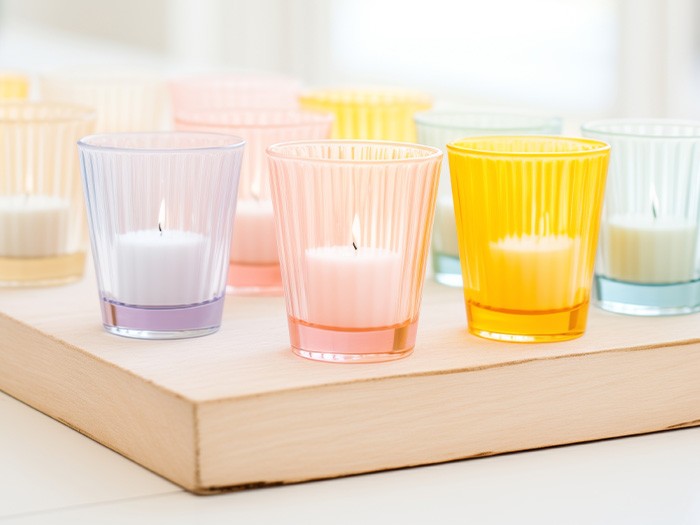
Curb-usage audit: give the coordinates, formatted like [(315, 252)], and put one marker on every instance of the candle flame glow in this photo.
[(355, 232), (161, 216)]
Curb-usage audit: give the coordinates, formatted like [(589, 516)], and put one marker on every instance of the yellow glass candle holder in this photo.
[(371, 113), (528, 212), (13, 86)]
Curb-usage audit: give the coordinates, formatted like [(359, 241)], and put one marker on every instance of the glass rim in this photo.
[(366, 95), (431, 119), (254, 79), (308, 117), (592, 127), (78, 113), (235, 142), (600, 146), (274, 151)]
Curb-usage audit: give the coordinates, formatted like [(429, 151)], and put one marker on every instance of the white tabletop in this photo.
[(52, 474)]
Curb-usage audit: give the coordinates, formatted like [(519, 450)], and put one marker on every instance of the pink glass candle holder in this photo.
[(160, 210), (124, 100), (353, 222), (254, 260), (241, 91)]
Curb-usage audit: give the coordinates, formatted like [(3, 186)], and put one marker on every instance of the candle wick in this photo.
[(160, 229), (653, 210), (354, 245)]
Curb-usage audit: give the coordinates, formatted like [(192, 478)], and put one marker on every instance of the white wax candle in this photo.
[(445, 231), (533, 272), (156, 268), (253, 239), (643, 249), (350, 288), (33, 225)]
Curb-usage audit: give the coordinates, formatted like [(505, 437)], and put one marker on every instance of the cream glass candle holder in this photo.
[(160, 208), (124, 101), (353, 221), (370, 113), (234, 91), (648, 259), (437, 128), (13, 86), (42, 218), (527, 211), (254, 260)]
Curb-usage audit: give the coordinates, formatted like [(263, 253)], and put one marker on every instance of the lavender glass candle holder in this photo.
[(160, 211)]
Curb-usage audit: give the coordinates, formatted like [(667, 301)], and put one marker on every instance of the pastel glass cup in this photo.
[(160, 209), (353, 222), (648, 259), (372, 113), (43, 235), (528, 211), (437, 128), (234, 91), (254, 261), (13, 86), (124, 101)]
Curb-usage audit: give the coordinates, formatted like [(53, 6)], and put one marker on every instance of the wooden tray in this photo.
[(238, 410)]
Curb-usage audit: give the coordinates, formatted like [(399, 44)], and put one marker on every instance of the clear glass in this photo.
[(648, 261), (125, 101), (370, 113), (13, 86), (353, 221), (43, 236), (234, 91), (437, 128), (254, 261), (160, 209), (528, 211)]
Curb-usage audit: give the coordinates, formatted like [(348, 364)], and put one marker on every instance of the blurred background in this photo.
[(577, 58)]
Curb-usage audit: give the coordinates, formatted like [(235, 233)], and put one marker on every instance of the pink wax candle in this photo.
[(353, 288), (253, 239)]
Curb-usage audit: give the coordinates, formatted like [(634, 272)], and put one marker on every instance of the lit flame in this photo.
[(355, 232), (654, 201), (161, 216)]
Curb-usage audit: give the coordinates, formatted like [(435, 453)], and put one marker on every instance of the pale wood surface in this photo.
[(238, 409)]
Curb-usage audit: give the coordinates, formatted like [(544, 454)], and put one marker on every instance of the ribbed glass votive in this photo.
[(437, 128), (13, 86), (353, 221), (648, 259), (124, 101), (42, 218), (160, 208), (370, 113), (234, 91), (254, 260), (528, 212)]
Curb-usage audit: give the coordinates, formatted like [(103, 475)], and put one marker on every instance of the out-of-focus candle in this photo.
[(33, 225), (352, 288), (254, 239), (445, 241), (643, 249), (532, 273)]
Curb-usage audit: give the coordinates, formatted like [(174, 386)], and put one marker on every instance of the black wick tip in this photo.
[(160, 229), (354, 245)]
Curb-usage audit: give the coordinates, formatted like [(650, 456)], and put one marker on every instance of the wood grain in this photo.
[(238, 409)]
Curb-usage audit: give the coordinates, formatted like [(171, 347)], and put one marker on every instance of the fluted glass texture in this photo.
[(160, 208), (234, 91), (353, 221), (527, 212), (438, 128), (648, 260), (124, 101), (369, 113), (13, 86), (43, 235), (254, 259)]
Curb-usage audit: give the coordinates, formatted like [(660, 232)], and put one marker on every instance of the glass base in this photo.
[(41, 271), (646, 299), (254, 279), (172, 322), (352, 345), (447, 270), (527, 327)]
